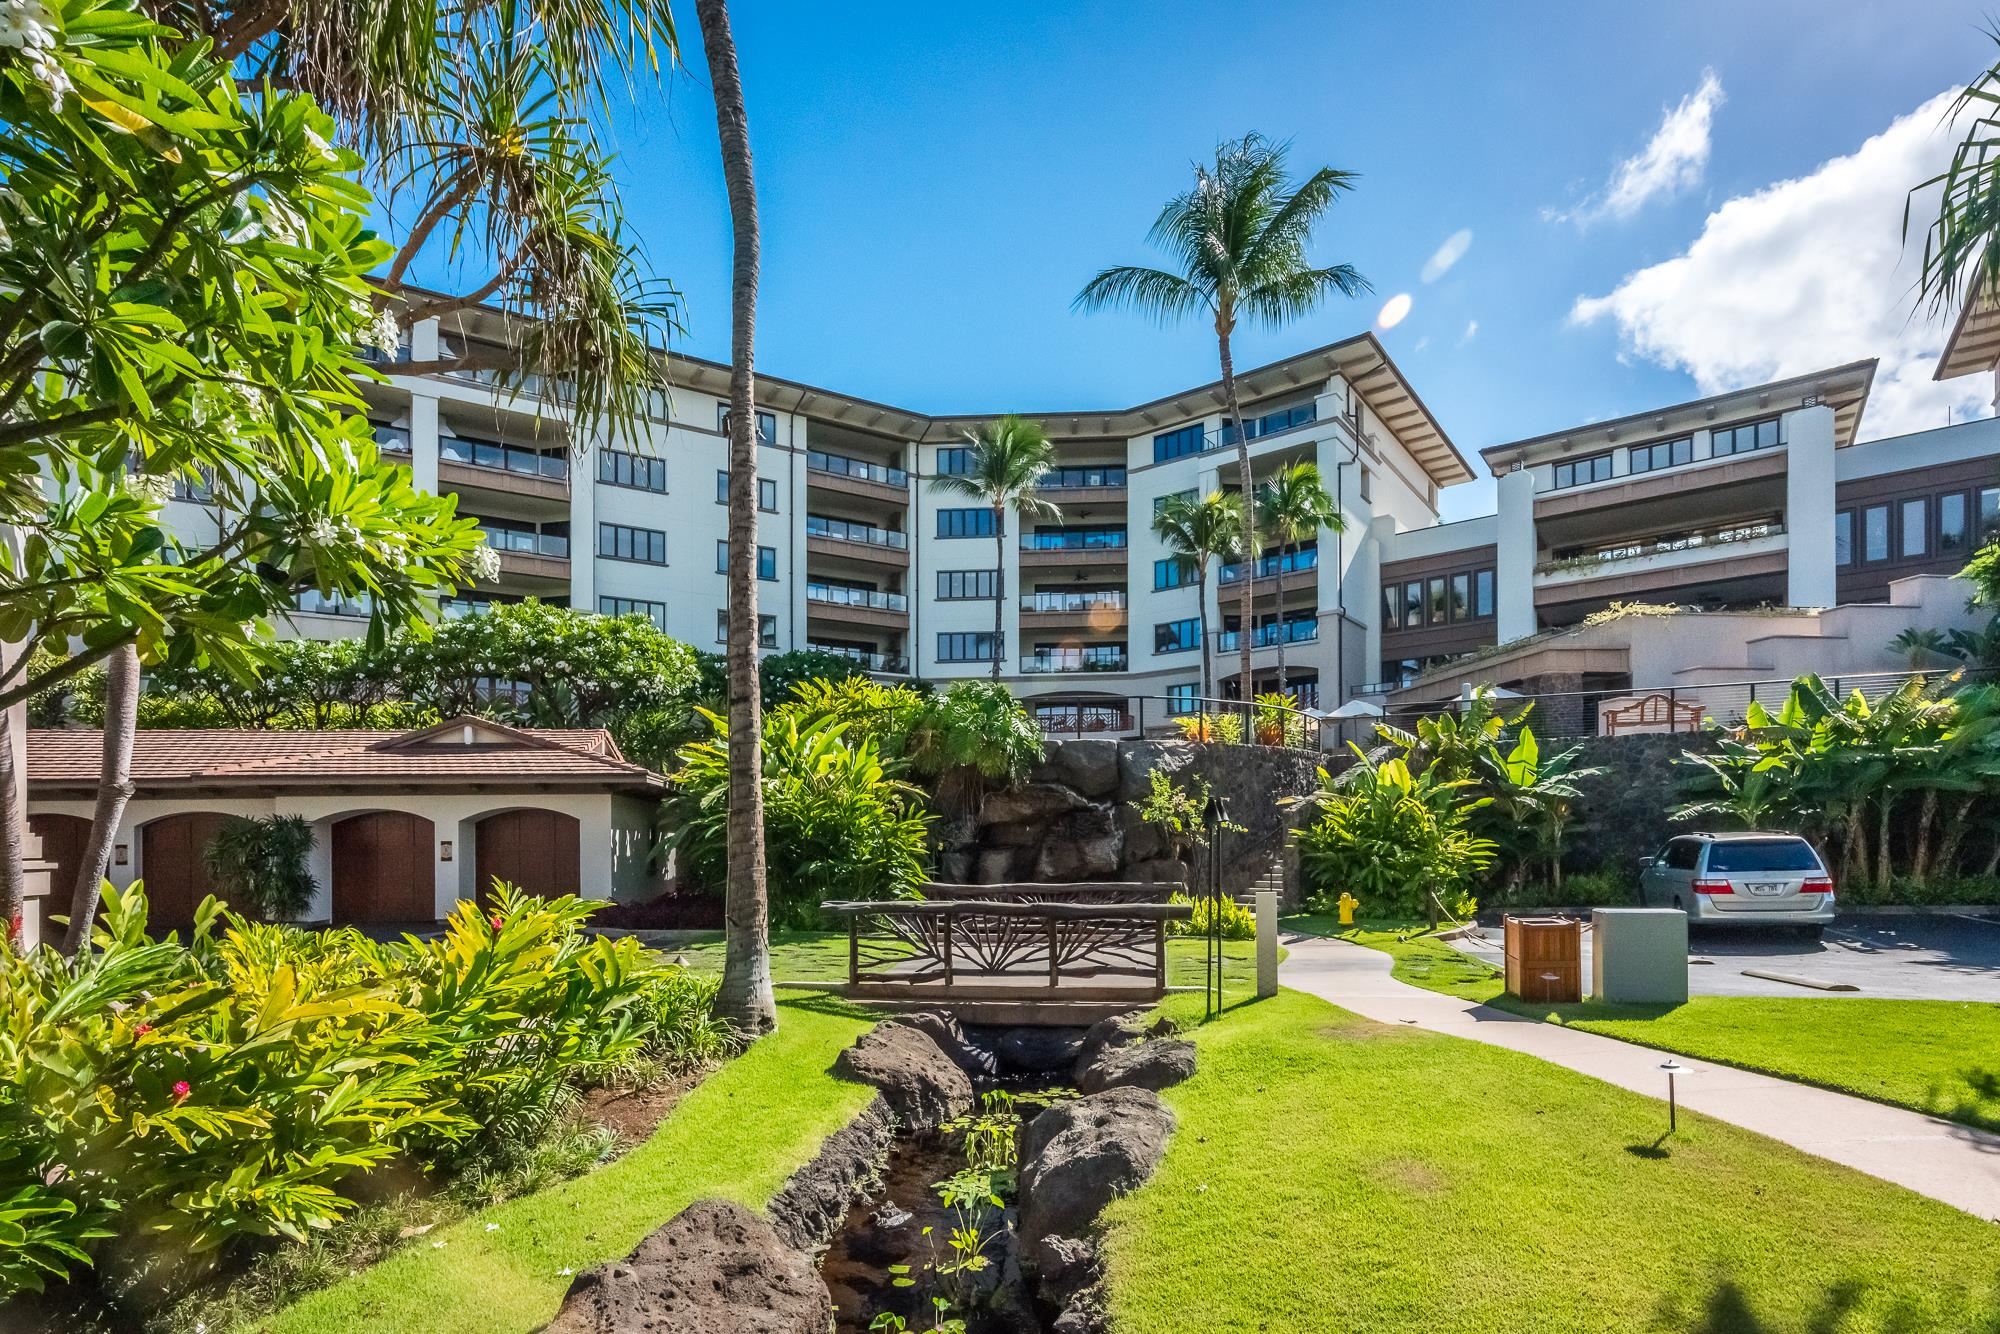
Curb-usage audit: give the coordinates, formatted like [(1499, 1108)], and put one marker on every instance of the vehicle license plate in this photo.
[(1764, 887)]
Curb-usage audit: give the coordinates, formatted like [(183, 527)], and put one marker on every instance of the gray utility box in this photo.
[(1639, 956)]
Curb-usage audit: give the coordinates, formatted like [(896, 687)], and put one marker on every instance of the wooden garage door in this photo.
[(383, 869), (534, 851), (63, 837), (171, 863)]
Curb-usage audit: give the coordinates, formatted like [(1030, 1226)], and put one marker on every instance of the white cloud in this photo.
[(1394, 310), (1448, 254), (1805, 274), (1672, 160), (1471, 332), (1422, 343)]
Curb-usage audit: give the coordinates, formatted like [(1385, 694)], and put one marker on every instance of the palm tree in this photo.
[(1961, 262), (744, 1001), (1239, 238), (1921, 647), (1292, 506), (1009, 459), (1201, 530)]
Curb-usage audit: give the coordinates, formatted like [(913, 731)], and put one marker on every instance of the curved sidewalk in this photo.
[(1946, 1161)]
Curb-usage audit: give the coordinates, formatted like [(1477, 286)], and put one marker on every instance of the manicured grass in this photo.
[(739, 1134), (1334, 1173), (821, 956), (1938, 1057)]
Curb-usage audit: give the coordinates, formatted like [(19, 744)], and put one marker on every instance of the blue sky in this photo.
[(938, 180)]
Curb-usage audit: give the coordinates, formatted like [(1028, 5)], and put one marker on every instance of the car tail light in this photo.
[(1816, 884), (1713, 887)]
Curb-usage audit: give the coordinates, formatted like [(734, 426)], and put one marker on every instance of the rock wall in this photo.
[(1073, 820), (1623, 814)]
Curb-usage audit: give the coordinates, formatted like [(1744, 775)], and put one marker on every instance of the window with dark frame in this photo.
[(1392, 607), (1582, 472), (975, 521), (1177, 444), (656, 612), (1413, 604), (767, 495), (1172, 572), (1989, 513), (1662, 454), (767, 564), (967, 646), (1743, 438), (1843, 537), (1482, 593), (1434, 601), (966, 585), (1461, 596), (1177, 636), (1914, 528), (767, 424), (1875, 533), (1951, 528), (641, 472), (617, 541), (767, 629), (1183, 697)]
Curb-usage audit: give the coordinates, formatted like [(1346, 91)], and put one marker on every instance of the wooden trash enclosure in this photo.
[(1544, 958)]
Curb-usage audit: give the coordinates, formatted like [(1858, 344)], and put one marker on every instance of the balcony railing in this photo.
[(874, 662), (1102, 475), (840, 596), (519, 542), (843, 530), (316, 603), (503, 458), (1082, 719), (1306, 558), (842, 466), (1075, 539), (1091, 658), (1290, 632), (1103, 599), (1588, 561)]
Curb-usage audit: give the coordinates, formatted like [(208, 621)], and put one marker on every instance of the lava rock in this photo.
[(716, 1268), (996, 866), (1168, 871), (813, 1203), (1089, 765), (1155, 1065), (1138, 759), (976, 1058), (1035, 801), (1039, 1051), (1081, 844), (1077, 1157), (1118, 1031), (924, 1087)]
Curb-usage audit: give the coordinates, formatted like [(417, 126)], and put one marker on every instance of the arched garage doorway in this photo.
[(533, 850), (384, 869), (63, 837), (173, 863)]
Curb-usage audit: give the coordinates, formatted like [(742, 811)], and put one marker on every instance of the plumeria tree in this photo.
[(183, 288)]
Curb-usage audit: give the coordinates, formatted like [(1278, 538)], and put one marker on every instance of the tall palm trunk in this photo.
[(999, 587), (1201, 597), (13, 856), (745, 1000), (1954, 836), (1246, 602), (1278, 619), (114, 789)]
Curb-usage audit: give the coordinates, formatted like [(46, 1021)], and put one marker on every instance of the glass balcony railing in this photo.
[(1104, 475), (1306, 558), (844, 530), (1583, 562), (874, 662), (524, 543), (503, 458), (842, 466), (840, 596), (1089, 658), (1103, 599), (1290, 632), (1271, 423), (1075, 539)]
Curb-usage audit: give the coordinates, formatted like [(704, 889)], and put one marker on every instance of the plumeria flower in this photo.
[(483, 564)]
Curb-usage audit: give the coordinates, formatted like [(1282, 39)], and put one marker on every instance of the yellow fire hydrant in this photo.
[(1348, 903)]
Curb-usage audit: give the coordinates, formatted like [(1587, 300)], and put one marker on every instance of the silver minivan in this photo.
[(1740, 879)]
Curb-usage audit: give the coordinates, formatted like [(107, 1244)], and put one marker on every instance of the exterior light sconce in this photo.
[(444, 849), (121, 853)]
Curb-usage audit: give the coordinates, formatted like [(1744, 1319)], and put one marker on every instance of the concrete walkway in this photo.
[(1949, 1162)]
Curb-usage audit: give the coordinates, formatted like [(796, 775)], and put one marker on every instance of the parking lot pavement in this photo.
[(1928, 957)]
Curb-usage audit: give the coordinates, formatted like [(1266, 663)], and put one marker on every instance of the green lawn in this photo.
[(1940, 1057), (739, 1134), (1334, 1173)]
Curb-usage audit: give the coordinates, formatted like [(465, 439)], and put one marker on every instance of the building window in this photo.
[(721, 487), (1392, 607), (1461, 595), (1951, 522), (1183, 697), (1178, 444), (721, 556), (1367, 485), (767, 495), (1482, 593), (1989, 514), (1173, 572), (1413, 604), (1742, 439), (1581, 472), (1662, 454), (616, 467), (767, 424), (964, 585), (972, 522), (1875, 533), (616, 541), (1843, 537), (1160, 502), (1434, 602), (1915, 525), (767, 564), (954, 462), (767, 629), (656, 612), (1177, 636), (967, 646)]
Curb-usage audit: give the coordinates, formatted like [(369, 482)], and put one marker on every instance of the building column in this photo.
[(1372, 541), (583, 529), (1809, 501), (1514, 572)]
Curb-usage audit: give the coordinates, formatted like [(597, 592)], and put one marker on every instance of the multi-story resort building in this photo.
[(1756, 507)]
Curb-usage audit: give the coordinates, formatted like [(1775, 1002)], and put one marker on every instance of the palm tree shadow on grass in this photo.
[(1728, 1310)]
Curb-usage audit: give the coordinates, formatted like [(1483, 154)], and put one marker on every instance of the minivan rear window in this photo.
[(1774, 854)]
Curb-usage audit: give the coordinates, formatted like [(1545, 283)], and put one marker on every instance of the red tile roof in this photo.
[(242, 757)]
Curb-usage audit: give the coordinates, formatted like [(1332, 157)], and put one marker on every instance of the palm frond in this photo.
[(1163, 296)]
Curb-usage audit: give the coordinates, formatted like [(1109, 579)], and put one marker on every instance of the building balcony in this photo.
[(1087, 658), (1662, 565), (1101, 484), (890, 664), (857, 541), (1074, 547), (857, 477), (857, 606), (1102, 610), (1296, 567), (1083, 719), (488, 465), (1265, 636)]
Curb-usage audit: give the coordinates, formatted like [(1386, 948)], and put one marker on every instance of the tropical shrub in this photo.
[(1391, 838), (1529, 799), (971, 736), (1179, 811), (260, 864), (1280, 723), (178, 1098), (1238, 922), (1223, 728), (837, 823)]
